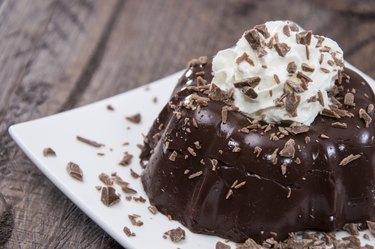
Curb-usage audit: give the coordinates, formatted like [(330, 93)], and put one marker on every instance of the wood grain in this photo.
[(56, 55)]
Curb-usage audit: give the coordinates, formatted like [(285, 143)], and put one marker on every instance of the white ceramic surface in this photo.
[(95, 122)]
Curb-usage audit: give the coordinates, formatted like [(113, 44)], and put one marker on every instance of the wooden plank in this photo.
[(55, 55)]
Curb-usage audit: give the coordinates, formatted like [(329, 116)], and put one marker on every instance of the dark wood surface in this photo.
[(56, 55)]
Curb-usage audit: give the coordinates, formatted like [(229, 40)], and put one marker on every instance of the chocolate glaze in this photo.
[(323, 195)]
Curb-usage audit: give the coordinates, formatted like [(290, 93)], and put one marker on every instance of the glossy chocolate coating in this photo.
[(323, 195)]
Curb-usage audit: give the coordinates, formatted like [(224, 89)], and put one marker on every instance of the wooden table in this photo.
[(56, 55)]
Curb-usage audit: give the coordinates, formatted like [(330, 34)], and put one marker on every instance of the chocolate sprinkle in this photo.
[(74, 171), (89, 142), (47, 152), (349, 159), (282, 48), (109, 196), (136, 118), (224, 114)]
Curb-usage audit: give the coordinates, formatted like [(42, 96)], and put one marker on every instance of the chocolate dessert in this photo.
[(272, 136)]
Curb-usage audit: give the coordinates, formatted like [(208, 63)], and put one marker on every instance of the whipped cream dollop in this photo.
[(280, 72)]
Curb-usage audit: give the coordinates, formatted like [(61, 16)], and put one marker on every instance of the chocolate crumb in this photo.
[(100, 154), (134, 220), (152, 209), (47, 152), (109, 196), (282, 48), (110, 108), (351, 228), (89, 142), (98, 187), (236, 149), (127, 159), (74, 171), (339, 125), (363, 115), (297, 160), (214, 163), (128, 232), (371, 227), (366, 236), (202, 60), (173, 156), (155, 100), (134, 174), (349, 159), (106, 179), (175, 235), (288, 150), (136, 118), (283, 169), (291, 67), (220, 245)]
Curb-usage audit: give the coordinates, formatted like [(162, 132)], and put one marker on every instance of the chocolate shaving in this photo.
[(370, 108), (286, 30), (134, 174), (250, 244), (196, 174), (349, 99), (136, 118), (201, 81), (307, 51), (329, 113), (295, 86), (339, 125), (262, 28), (288, 150), (202, 60), (74, 171), (220, 245), (283, 169), (363, 115), (276, 78), (307, 139), (176, 235), (245, 57), (292, 67), (297, 129), (307, 68), (320, 40), (134, 220), (349, 159), (110, 108), (89, 142), (106, 179), (282, 48), (139, 199), (253, 38), (229, 194), (191, 151), (127, 159), (251, 82), (274, 156), (304, 37), (371, 227), (291, 103), (250, 92), (324, 136), (324, 70), (109, 196), (236, 149), (173, 156), (320, 98), (48, 152), (214, 163), (304, 77), (351, 228), (216, 94), (239, 185), (152, 209), (128, 232)]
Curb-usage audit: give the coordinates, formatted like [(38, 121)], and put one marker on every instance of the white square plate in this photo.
[(96, 122)]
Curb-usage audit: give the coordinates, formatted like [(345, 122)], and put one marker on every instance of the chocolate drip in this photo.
[(309, 191)]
